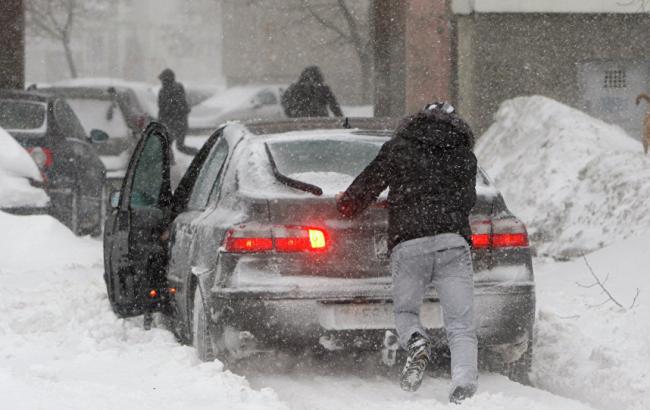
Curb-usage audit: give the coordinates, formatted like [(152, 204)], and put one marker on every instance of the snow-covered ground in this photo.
[(577, 182)]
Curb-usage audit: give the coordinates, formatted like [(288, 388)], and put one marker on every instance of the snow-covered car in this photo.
[(20, 180), (73, 175), (110, 110), (140, 98), (237, 103), (250, 254)]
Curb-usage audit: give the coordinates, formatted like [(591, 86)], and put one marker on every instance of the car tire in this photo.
[(201, 337)]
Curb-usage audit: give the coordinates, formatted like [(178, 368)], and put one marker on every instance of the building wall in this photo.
[(267, 41), (501, 56)]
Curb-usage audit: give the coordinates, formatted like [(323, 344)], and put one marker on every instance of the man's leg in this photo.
[(412, 266), (453, 280), (411, 271)]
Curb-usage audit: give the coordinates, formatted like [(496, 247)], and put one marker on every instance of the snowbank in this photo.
[(16, 166), (587, 350), (42, 242), (577, 182)]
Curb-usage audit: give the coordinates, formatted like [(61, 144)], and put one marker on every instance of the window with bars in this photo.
[(615, 79)]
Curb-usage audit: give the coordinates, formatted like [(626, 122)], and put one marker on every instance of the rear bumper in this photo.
[(504, 314)]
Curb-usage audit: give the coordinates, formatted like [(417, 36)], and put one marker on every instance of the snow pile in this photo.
[(62, 348), (16, 166), (41, 242), (587, 350), (577, 182)]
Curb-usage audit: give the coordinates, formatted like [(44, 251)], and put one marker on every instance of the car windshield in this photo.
[(330, 164), (104, 115), (25, 116)]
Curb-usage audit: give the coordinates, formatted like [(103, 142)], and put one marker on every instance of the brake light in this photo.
[(499, 233), (282, 239), (41, 156)]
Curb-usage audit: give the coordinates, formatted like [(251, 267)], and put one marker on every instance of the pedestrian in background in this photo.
[(430, 171), (173, 110), (310, 96)]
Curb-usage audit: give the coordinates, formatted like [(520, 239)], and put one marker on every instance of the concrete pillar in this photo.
[(12, 44), (414, 54)]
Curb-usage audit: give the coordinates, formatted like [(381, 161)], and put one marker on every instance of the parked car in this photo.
[(110, 110), (141, 100), (72, 173), (21, 182), (250, 254), (237, 103)]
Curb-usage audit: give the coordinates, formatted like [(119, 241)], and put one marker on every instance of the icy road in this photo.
[(62, 348)]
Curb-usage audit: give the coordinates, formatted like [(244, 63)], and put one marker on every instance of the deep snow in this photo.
[(577, 182)]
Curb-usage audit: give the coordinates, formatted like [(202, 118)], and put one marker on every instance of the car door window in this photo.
[(67, 121), (208, 176), (148, 176)]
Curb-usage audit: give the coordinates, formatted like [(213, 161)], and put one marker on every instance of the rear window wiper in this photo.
[(290, 182)]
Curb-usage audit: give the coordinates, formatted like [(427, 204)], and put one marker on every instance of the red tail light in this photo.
[(283, 239), (499, 233), (42, 157)]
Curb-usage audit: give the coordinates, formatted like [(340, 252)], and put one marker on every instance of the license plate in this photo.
[(363, 316), (381, 246)]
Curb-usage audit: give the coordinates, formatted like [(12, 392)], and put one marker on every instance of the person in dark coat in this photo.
[(173, 110), (310, 96), (430, 170)]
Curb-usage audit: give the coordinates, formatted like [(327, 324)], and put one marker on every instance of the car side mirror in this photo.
[(256, 104), (98, 136), (115, 199)]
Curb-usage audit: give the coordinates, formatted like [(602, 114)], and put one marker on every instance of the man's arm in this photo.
[(333, 104), (368, 185)]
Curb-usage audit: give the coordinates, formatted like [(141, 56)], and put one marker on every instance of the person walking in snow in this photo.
[(430, 170), (173, 110), (310, 96)]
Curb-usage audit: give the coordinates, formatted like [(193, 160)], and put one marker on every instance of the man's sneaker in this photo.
[(419, 355), (461, 393)]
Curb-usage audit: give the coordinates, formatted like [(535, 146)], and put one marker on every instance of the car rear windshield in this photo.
[(330, 164), (104, 115), (25, 116)]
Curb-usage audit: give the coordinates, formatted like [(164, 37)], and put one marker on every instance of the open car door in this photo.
[(135, 252)]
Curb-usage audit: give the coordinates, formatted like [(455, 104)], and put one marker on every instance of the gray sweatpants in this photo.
[(444, 262)]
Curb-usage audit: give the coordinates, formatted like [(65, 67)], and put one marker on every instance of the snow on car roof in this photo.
[(236, 96)]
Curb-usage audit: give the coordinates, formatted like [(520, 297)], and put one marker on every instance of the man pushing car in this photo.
[(430, 171)]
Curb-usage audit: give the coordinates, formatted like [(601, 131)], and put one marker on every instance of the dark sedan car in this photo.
[(250, 254), (112, 111), (73, 175)]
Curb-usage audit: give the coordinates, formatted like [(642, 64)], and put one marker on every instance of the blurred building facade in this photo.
[(592, 55), (135, 40)]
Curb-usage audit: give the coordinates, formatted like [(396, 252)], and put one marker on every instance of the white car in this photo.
[(238, 103), (21, 182)]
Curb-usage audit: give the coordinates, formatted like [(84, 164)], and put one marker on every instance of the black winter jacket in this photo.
[(430, 170), (173, 108), (310, 96)]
